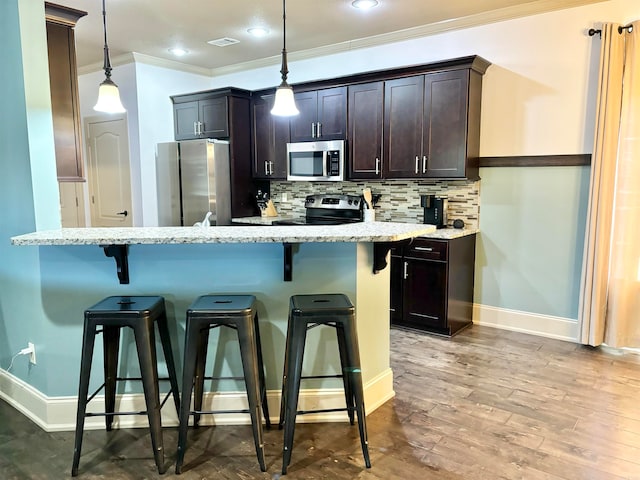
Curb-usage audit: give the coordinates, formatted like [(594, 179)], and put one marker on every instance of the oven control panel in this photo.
[(333, 201)]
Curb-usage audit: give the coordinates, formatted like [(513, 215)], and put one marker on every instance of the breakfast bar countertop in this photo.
[(352, 232)]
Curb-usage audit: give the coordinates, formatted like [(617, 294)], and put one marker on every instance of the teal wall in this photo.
[(19, 314), (529, 251)]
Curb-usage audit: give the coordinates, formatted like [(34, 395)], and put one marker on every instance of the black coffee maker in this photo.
[(435, 210)]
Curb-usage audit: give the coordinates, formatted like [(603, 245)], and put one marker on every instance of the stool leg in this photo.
[(191, 346), (298, 332), (111, 347), (198, 383), (346, 378), (88, 340), (250, 365), (145, 343), (263, 384), (165, 339), (283, 397), (353, 354)]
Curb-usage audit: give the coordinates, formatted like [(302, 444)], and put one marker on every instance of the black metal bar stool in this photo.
[(237, 312), (139, 313), (306, 312)]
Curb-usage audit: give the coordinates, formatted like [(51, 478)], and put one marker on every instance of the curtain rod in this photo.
[(628, 28)]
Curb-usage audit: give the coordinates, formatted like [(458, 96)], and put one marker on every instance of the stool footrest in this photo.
[(105, 414), (324, 410), (223, 378), (207, 412), (322, 376)]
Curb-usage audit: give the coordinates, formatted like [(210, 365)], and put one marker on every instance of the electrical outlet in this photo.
[(32, 355), (284, 196)]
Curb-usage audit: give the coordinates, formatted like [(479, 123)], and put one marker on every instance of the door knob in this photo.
[(124, 213)]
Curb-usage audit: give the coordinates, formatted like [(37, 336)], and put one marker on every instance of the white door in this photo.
[(109, 171)]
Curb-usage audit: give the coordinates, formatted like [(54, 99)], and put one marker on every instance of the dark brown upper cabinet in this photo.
[(323, 115), (63, 81), (432, 125), (203, 114), (364, 130), (270, 135)]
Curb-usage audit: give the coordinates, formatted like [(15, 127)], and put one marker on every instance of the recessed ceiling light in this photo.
[(364, 4), (178, 52), (258, 31)]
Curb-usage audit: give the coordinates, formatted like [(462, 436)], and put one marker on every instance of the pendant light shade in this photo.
[(284, 104), (108, 94)]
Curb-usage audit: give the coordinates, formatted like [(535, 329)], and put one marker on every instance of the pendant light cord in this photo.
[(284, 70), (107, 62)]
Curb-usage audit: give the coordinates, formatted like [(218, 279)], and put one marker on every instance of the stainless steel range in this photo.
[(328, 209)]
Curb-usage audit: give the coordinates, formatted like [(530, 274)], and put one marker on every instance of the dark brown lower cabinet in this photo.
[(432, 284)]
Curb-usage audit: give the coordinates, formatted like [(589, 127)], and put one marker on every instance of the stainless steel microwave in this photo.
[(316, 161)]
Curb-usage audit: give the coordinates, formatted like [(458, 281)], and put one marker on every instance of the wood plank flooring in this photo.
[(487, 404)]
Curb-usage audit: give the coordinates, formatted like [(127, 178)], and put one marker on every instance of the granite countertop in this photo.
[(448, 233), (353, 232)]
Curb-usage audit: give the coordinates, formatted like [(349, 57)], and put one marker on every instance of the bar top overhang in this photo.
[(354, 232)]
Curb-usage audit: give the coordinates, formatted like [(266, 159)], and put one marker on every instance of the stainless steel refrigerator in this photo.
[(193, 177)]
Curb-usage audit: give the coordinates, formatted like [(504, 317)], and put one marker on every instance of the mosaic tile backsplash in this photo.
[(399, 201)]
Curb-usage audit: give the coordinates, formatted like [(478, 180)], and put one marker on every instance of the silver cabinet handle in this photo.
[(270, 167), (319, 130), (406, 273), (195, 128), (377, 166), (423, 249), (266, 167), (424, 164), (200, 127), (313, 130), (417, 163)]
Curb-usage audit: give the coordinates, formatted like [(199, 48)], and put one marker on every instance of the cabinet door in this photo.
[(365, 119), (445, 123), (64, 102), (185, 119), (213, 116), (270, 137), (425, 294), (397, 273), (403, 119), (331, 123), (303, 125)]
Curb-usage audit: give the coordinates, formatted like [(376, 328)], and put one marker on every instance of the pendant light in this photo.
[(108, 94), (284, 104)]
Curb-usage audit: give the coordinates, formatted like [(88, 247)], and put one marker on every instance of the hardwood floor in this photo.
[(486, 404)]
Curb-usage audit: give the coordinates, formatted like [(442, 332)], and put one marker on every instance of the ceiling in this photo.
[(151, 27)]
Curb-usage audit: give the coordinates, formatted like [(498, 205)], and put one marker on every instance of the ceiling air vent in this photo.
[(223, 42)]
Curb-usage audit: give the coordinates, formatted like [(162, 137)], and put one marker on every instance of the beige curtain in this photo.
[(610, 290)]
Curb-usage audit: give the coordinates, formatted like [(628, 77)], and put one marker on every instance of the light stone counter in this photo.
[(450, 233), (353, 232)]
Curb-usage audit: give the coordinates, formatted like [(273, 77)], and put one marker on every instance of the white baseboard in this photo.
[(532, 323), (55, 414)]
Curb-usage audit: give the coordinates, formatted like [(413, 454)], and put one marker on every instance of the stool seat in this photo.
[(306, 312), (239, 313), (139, 313)]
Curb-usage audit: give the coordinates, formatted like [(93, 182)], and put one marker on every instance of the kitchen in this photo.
[(517, 93)]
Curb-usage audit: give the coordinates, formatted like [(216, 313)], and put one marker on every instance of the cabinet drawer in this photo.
[(427, 249)]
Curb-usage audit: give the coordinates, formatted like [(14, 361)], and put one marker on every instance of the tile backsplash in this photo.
[(399, 201)]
